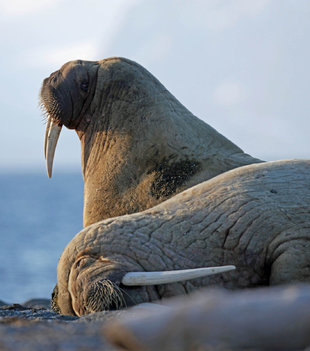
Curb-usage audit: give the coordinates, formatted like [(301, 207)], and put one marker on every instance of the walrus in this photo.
[(255, 218), (139, 144)]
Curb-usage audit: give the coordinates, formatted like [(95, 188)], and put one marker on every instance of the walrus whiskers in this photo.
[(104, 295)]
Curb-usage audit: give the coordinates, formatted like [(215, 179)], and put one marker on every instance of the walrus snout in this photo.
[(95, 284), (55, 98), (102, 295)]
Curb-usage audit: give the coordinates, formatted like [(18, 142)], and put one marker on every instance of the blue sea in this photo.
[(38, 217)]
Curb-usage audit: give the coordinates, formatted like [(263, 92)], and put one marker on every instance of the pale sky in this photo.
[(239, 65)]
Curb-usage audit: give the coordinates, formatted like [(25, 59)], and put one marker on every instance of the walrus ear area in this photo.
[(76, 73), (83, 81), (84, 85)]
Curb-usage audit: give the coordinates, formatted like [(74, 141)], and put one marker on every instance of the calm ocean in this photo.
[(38, 217)]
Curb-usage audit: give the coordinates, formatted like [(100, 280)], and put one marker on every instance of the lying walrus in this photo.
[(139, 144), (256, 217)]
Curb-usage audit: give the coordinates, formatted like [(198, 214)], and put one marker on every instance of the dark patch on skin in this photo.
[(170, 176), (54, 304)]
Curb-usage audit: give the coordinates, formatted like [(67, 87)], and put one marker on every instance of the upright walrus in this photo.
[(140, 145)]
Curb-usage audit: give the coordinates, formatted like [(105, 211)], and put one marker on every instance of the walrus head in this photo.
[(96, 284), (65, 96)]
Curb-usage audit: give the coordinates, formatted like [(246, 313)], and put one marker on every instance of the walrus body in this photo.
[(255, 217), (139, 144)]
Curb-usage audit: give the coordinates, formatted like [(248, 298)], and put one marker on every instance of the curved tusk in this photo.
[(48, 124), (51, 138), (166, 277)]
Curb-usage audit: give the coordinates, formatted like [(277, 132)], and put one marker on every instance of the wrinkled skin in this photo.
[(139, 144), (255, 217)]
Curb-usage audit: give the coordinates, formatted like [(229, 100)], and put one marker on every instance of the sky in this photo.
[(241, 66)]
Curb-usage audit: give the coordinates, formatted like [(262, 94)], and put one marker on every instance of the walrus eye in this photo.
[(84, 85)]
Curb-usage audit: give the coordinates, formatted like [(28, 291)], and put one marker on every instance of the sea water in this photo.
[(38, 217)]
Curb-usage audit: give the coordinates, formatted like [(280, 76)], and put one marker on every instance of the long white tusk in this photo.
[(51, 138), (165, 277), (48, 124)]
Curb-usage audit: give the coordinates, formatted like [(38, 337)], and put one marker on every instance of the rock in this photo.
[(23, 328), (16, 312), (25, 335), (38, 303)]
